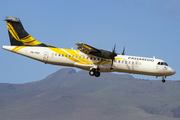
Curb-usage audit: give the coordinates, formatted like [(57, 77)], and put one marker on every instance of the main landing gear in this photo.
[(94, 72)]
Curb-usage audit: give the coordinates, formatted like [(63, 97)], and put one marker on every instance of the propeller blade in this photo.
[(123, 53), (113, 56), (114, 48)]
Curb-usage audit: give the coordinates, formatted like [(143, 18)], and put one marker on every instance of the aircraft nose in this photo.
[(173, 71)]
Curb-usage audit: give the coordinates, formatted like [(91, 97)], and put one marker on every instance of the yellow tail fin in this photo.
[(18, 36)]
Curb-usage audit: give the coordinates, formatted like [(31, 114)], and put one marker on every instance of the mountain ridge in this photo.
[(67, 94)]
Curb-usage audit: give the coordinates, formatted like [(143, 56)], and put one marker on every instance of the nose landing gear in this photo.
[(163, 79)]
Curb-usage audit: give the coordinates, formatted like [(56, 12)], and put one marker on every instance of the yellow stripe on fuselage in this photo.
[(69, 52), (79, 57), (60, 51), (74, 56), (17, 48)]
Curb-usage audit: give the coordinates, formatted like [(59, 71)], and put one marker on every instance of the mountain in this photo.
[(70, 95)]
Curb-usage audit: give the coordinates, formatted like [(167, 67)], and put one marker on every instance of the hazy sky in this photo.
[(146, 28)]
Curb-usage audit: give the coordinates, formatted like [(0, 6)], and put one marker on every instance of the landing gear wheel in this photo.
[(163, 81), (94, 72), (97, 74), (91, 73)]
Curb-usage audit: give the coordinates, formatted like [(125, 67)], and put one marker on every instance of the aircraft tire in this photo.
[(91, 73), (97, 74), (163, 81)]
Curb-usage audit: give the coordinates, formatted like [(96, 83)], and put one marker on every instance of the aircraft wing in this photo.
[(87, 49), (96, 52)]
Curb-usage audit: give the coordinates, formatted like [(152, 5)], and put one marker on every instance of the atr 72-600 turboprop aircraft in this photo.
[(86, 57)]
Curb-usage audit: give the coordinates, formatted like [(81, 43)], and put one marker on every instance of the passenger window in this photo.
[(59, 54), (94, 58), (133, 63), (91, 58), (119, 61), (65, 55), (69, 55), (62, 55)]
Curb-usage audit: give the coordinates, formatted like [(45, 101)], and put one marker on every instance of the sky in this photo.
[(146, 28)]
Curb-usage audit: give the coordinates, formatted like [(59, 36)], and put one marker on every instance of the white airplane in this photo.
[(86, 57)]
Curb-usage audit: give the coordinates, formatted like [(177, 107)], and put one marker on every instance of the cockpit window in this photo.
[(166, 64), (162, 63)]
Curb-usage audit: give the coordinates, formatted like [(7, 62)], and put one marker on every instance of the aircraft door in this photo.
[(45, 56)]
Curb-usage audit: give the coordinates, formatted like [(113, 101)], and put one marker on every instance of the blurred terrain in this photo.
[(70, 95)]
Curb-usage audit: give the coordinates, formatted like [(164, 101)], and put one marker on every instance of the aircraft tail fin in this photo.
[(18, 35)]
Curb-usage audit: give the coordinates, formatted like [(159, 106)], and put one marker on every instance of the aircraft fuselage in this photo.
[(75, 58)]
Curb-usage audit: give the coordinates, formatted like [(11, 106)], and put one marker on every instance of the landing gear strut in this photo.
[(163, 79), (94, 72)]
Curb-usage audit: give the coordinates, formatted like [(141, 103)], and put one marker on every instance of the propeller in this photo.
[(123, 53), (113, 56)]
